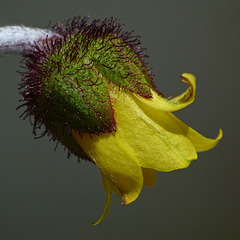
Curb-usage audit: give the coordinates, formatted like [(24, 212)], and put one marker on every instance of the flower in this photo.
[(91, 89), (148, 138)]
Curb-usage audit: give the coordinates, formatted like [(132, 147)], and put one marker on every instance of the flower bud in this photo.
[(66, 86), (89, 86)]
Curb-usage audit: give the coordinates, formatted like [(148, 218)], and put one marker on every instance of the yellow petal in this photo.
[(148, 138), (200, 142), (160, 103), (149, 177), (158, 145), (108, 200), (116, 162)]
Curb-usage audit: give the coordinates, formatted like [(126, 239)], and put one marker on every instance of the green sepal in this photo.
[(66, 84), (76, 96), (121, 65)]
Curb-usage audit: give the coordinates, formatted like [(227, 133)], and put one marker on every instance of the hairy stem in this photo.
[(18, 39)]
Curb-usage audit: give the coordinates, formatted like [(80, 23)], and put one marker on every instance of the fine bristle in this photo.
[(49, 62)]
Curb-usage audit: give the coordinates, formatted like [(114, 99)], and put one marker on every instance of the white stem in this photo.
[(17, 39)]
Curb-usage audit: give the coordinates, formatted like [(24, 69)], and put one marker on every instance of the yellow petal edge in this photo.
[(148, 138), (160, 103)]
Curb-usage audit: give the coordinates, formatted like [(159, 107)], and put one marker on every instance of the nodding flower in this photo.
[(89, 87)]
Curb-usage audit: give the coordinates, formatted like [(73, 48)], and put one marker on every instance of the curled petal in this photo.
[(160, 103), (171, 122)]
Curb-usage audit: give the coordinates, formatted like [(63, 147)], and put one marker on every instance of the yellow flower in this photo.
[(148, 138), (91, 89)]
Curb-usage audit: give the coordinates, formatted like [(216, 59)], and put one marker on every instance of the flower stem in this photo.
[(18, 39)]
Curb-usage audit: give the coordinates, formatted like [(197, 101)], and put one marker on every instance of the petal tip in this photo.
[(105, 212), (220, 134), (189, 79)]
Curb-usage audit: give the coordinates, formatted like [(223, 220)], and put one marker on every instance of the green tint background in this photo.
[(44, 195)]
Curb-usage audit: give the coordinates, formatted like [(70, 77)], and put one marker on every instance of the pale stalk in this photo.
[(18, 39)]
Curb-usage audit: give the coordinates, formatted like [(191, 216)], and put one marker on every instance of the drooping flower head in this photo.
[(91, 89)]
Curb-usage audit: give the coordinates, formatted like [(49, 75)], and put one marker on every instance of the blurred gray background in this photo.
[(44, 195)]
